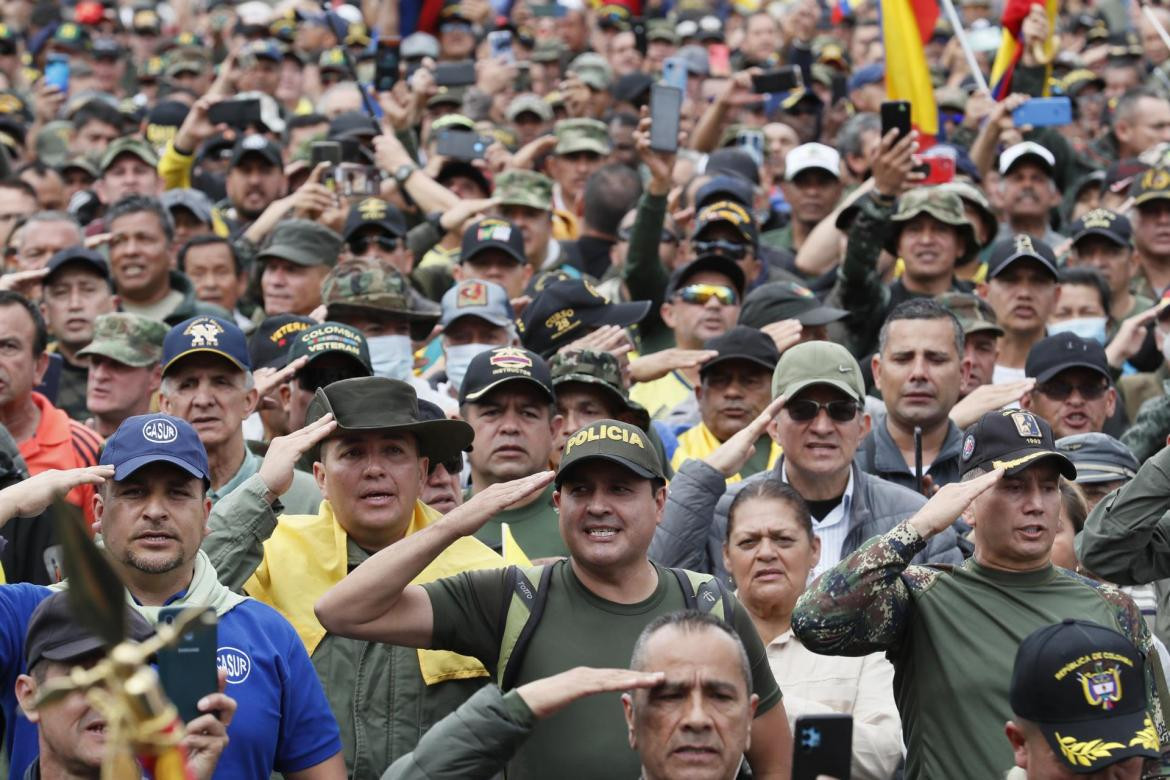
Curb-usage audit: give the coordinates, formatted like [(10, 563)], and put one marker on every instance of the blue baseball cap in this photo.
[(205, 333), (151, 438), (864, 76), (477, 298)]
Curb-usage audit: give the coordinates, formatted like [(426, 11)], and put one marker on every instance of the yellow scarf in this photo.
[(698, 442), (310, 554)]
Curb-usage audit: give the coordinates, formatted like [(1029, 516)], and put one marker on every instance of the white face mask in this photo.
[(459, 358), (1088, 328), (392, 356)]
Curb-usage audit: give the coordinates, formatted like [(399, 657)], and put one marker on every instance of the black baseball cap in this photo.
[(1012, 440), (1084, 685), (742, 343), (78, 255), (1053, 354), (374, 212), (331, 338), (617, 442), (494, 367), (716, 263), (268, 345), (1020, 247), (723, 187), (493, 233), (1105, 223), (776, 301), (567, 310), (55, 634), (257, 145)]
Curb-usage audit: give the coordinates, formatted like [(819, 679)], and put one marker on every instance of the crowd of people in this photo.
[(505, 437)]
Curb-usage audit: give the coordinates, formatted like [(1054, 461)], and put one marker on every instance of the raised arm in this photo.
[(376, 602)]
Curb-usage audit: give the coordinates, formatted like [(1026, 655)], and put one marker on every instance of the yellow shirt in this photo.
[(699, 442), (663, 394)]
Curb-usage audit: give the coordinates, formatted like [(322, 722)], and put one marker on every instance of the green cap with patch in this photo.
[(613, 441), (370, 288), (127, 338), (944, 205), (303, 242), (129, 144), (581, 135), (524, 188), (817, 363), (600, 369), (593, 70)]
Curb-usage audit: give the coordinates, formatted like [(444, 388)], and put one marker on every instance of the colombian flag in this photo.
[(906, 26), (1010, 48)]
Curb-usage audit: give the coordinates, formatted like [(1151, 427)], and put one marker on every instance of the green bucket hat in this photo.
[(524, 188), (973, 195), (127, 338), (581, 135), (944, 205), (364, 288)]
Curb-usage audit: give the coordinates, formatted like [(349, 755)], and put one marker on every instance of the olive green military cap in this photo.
[(944, 205), (974, 196), (581, 135), (370, 288), (375, 403), (531, 104), (128, 144), (303, 242), (524, 188), (661, 30), (593, 70), (617, 442), (817, 363), (127, 338), (974, 313), (600, 369)]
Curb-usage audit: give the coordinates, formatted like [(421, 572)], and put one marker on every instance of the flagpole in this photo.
[(1149, 12), (949, 7)]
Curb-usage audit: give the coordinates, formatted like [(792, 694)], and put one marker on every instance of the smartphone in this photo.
[(638, 25), (57, 72), (386, 64), (325, 151), (775, 81), (238, 114), (839, 87), (500, 45), (461, 144), (674, 73), (752, 142), (455, 74), (719, 60), (665, 114), (1044, 112), (523, 77), (547, 10), (822, 745), (188, 670), (896, 116)]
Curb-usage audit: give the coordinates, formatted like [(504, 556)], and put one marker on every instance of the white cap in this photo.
[(1013, 154), (807, 156), (254, 13)]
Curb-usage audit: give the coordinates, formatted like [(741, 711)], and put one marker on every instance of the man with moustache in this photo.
[(1028, 191), (1074, 390), (1022, 289)]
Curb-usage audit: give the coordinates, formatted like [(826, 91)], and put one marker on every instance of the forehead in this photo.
[(370, 438), (681, 654), (569, 393), (137, 220), (209, 253), (921, 334), (514, 392)]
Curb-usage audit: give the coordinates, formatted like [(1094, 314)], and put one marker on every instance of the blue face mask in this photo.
[(392, 356), (1088, 328), (459, 358)]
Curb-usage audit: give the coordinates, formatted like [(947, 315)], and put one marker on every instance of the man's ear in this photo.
[(42, 365), (26, 696), (628, 708), (876, 366), (1019, 744), (666, 310)]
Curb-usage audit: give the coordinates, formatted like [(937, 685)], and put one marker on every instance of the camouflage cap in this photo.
[(303, 242), (593, 70), (661, 30), (524, 188), (974, 196), (531, 104), (127, 338), (581, 135), (596, 368), (944, 205), (370, 288), (129, 144), (975, 314)]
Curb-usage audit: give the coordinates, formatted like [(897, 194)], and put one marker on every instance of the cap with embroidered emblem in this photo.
[(129, 339), (728, 212), (331, 338), (477, 298), (567, 310), (1013, 440), (374, 212), (1020, 247), (613, 441), (494, 367), (1153, 184), (817, 363), (213, 335), (1084, 686), (258, 145), (1098, 457), (151, 438), (1061, 351), (493, 234), (268, 344)]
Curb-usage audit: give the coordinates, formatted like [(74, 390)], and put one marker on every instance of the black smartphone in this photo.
[(896, 116), (783, 79), (188, 670), (665, 113), (822, 745), (325, 151), (638, 25), (237, 114), (386, 64), (455, 74), (839, 87), (461, 144), (523, 77)]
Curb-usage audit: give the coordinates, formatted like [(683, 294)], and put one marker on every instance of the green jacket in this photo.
[(1148, 433), (376, 691), (645, 275)]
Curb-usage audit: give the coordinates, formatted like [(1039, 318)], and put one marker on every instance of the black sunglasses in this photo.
[(362, 244), (1060, 391), (804, 410), (728, 249)]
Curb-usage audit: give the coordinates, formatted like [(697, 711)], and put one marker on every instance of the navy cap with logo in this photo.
[(714, 263), (207, 334), (777, 301), (1098, 457), (377, 213), (1012, 440), (615, 442), (1020, 247), (1105, 223), (55, 634), (742, 343), (1049, 356), (258, 145), (155, 438), (78, 255), (494, 367), (1084, 686), (332, 338), (268, 345), (493, 234), (566, 311)]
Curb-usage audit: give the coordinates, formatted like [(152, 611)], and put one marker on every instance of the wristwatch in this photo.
[(403, 172)]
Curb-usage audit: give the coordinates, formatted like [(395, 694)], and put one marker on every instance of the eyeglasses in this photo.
[(362, 244), (1060, 391), (701, 293), (727, 248), (804, 410)]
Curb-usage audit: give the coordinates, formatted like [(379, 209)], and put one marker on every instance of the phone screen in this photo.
[(665, 112)]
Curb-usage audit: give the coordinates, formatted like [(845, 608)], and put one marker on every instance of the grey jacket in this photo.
[(694, 523)]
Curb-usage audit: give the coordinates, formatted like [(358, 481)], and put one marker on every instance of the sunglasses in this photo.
[(726, 248), (362, 245), (805, 410), (1060, 391), (701, 293)]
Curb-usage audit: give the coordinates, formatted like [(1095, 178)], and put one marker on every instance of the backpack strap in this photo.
[(519, 617), (704, 592)]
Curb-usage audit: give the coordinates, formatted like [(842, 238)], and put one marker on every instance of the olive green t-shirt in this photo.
[(535, 527), (586, 740)]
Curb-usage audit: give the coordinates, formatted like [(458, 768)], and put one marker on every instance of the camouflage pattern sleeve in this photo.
[(859, 288), (1148, 433), (863, 604)]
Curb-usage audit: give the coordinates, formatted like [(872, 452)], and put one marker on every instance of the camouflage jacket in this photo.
[(1148, 433)]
